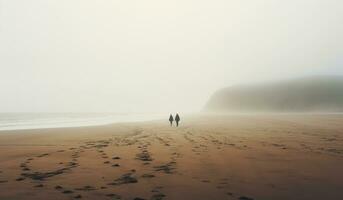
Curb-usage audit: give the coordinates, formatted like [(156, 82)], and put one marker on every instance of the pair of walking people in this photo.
[(177, 119)]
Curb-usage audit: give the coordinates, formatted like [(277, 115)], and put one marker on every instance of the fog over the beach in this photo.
[(157, 56)]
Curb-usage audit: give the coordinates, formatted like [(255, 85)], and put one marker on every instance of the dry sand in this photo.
[(268, 157)]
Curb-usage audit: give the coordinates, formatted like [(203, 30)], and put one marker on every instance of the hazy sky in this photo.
[(155, 55)]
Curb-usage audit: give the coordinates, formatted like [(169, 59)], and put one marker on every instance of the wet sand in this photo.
[(208, 157)]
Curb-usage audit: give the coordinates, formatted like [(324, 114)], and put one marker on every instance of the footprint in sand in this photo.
[(158, 195), (24, 166), (43, 175), (20, 179), (58, 187), (245, 198), (42, 155), (86, 188), (144, 156), (39, 186), (124, 179), (230, 194), (167, 168), (67, 192), (113, 196), (148, 176)]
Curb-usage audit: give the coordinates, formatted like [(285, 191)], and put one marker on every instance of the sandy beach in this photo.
[(240, 157)]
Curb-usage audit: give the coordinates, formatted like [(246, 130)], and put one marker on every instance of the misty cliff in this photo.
[(314, 94)]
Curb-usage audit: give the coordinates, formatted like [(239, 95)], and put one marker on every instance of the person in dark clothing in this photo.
[(171, 119), (177, 119)]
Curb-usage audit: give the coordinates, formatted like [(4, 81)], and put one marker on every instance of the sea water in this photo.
[(20, 121)]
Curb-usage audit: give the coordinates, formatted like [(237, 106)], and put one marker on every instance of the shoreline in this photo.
[(194, 115)]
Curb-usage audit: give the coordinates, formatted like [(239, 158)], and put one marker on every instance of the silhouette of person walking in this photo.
[(177, 119), (171, 119)]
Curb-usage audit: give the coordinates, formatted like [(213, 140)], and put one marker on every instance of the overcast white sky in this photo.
[(156, 55)]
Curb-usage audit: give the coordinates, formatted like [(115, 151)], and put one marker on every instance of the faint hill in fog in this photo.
[(313, 94)]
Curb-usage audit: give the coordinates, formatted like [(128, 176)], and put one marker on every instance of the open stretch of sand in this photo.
[(208, 157)]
